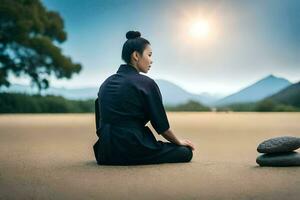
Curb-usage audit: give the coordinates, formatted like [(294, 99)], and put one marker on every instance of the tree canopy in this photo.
[(29, 39)]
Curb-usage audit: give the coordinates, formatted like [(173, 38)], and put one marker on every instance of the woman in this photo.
[(126, 101)]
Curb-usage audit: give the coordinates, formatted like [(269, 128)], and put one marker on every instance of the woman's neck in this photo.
[(134, 66)]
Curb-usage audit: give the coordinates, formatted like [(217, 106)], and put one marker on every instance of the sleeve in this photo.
[(155, 108), (97, 117)]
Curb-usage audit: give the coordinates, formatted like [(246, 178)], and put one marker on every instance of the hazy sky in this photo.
[(243, 41)]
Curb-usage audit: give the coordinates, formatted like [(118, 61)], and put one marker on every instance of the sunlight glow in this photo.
[(199, 29)]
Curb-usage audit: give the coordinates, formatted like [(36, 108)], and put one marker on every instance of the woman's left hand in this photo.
[(188, 143)]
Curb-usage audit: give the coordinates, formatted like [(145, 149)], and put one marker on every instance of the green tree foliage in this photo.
[(268, 105), (29, 39), (237, 107), (265, 105), (189, 106), (24, 103)]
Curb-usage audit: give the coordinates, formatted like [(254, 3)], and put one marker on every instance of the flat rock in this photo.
[(279, 159), (279, 145)]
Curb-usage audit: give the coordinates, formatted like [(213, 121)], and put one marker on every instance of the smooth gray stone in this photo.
[(279, 159), (279, 145)]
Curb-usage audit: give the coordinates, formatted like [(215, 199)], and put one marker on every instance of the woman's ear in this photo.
[(135, 56)]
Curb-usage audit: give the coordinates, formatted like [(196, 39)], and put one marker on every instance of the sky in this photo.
[(210, 46)]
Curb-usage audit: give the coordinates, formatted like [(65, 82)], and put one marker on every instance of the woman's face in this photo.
[(144, 61)]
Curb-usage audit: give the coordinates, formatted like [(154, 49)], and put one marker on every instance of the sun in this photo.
[(199, 29)]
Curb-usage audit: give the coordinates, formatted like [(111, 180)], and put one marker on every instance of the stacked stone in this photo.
[(279, 152)]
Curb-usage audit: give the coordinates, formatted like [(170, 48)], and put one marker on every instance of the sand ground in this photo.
[(50, 156)]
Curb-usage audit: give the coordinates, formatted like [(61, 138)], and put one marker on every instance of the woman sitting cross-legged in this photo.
[(127, 101)]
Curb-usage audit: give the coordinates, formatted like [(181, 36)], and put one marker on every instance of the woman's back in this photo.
[(127, 101), (120, 97)]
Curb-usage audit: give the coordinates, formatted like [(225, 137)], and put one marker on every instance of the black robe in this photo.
[(126, 101)]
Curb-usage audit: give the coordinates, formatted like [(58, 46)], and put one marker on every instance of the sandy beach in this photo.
[(49, 156)]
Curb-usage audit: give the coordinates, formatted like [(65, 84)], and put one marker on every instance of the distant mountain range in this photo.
[(257, 91), (173, 94), (74, 94), (288, 96)]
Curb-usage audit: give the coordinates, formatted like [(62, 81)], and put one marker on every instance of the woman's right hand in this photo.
[(169, 135), (188, 143)]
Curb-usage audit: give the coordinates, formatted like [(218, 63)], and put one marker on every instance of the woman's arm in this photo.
[(170, 136)]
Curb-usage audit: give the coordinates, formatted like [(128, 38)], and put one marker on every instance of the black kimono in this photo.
[(126, 101)]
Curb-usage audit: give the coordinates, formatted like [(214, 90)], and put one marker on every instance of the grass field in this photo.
[(51, 157)]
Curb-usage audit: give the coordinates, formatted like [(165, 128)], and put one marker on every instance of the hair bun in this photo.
[(133, 34)]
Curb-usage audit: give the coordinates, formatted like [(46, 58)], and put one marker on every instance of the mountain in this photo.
[(74, 94), (288, 96), (257, 91), (172, 93)]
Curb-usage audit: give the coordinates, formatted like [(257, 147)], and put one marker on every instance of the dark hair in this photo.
[(134, 43)]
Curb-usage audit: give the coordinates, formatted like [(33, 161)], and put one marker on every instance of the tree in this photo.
[(29, 39), (191, 105), (265, 106)]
